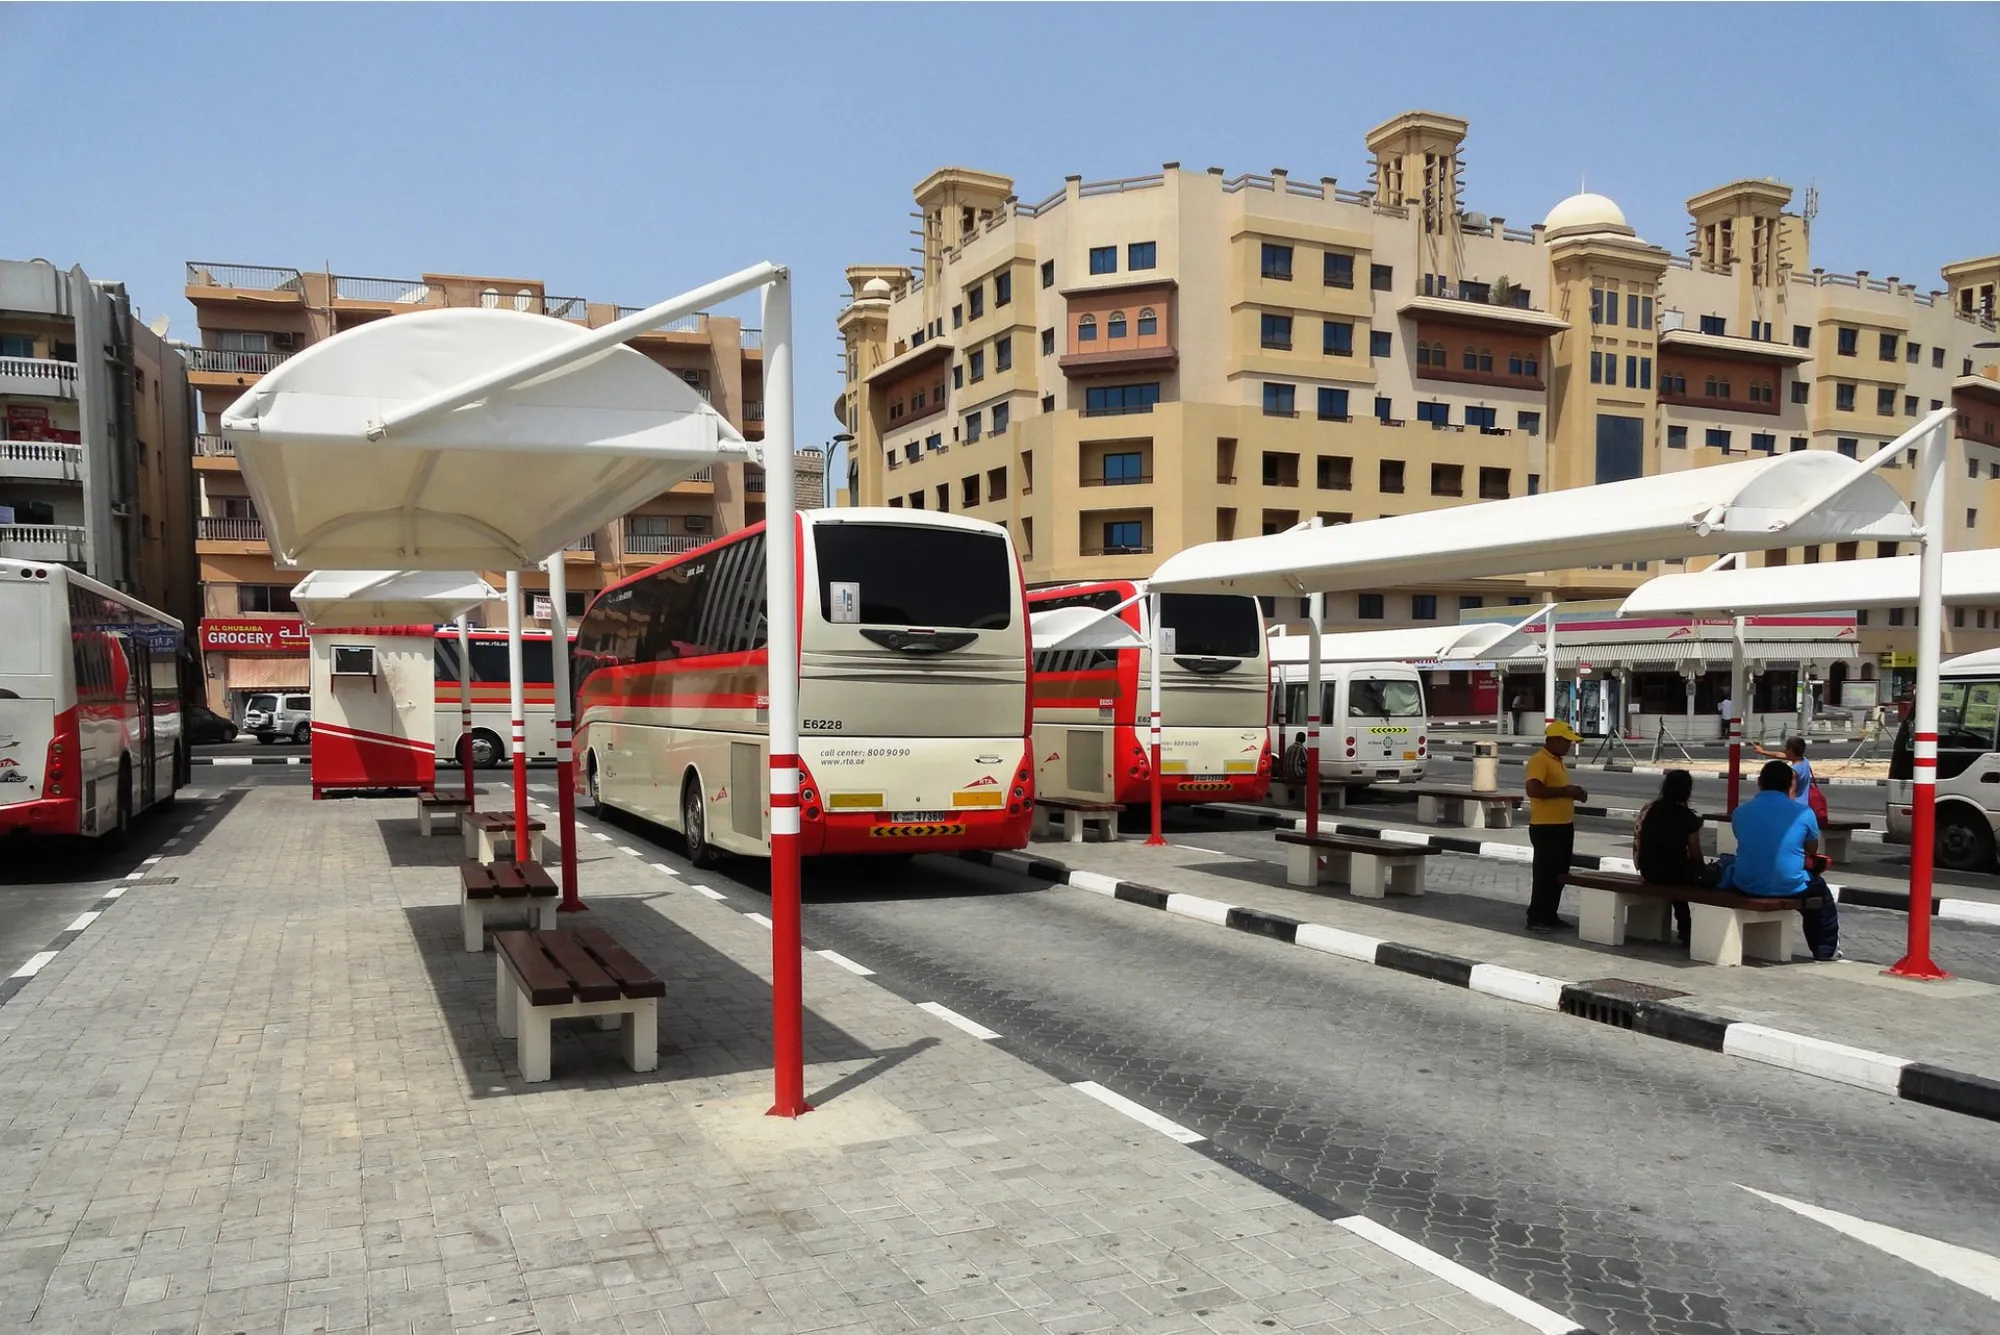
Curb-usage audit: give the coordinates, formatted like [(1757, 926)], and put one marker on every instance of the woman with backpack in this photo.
[(1804, 787)]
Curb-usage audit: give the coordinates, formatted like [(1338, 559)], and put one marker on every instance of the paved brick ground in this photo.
[(270, 1096)]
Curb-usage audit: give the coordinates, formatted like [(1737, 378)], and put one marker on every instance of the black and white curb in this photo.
[(1898, 1077), (1975, 911), (248, 760)]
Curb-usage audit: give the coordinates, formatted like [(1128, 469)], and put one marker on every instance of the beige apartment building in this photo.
[(1129, 367), (253, 317)]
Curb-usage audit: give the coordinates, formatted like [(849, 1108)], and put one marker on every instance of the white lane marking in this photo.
[(847, 963), (34, 965), (1506, 852), (957, 1021), (171, 842), (663, 869), (599, 834), (1334, 941), (150, 861), (757, 918), (1194, 906), (1947, 1260), (116, 891), (1095, 882), (1815, 1056), (83, 920), (1214, 853), (712, 894), (627, 848), (1970, 910), (1143, 1115), (227, 760), (135, 876), (1456, 1275), (1496, 980)]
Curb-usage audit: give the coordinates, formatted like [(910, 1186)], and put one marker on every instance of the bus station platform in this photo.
[(264, 1089)]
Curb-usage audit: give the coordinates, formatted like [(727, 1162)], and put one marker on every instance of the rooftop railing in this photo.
[(208, 445), (387, 291), (229, 528), (244, 277), (229, 362), (59, 375)]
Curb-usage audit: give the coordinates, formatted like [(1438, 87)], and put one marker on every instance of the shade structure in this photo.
[(1807, 497), (1969, 577), (1416, 644), (395, 598), (1065, 628), (497, 484)]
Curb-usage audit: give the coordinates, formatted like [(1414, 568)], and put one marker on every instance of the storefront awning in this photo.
[(1673, 656), (267, 674)]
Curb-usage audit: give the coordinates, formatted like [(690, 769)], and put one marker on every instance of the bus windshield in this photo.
[(1384, 697), (924, 577), (1212, 625)]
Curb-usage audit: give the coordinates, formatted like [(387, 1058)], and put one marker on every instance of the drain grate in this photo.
[(1612, 1001)]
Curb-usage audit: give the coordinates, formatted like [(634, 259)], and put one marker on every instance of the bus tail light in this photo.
[(55, 775), (1140, 768), (1423, 743), (1023, 790), (1264, 759), (809, 808)]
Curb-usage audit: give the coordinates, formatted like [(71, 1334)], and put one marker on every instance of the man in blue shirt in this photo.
[(1777, 851)]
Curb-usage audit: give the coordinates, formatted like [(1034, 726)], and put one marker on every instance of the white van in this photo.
[(1374, 727), (1968, 766), (279, 716)]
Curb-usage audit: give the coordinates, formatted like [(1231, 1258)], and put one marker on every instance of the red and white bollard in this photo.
[(565, 741)]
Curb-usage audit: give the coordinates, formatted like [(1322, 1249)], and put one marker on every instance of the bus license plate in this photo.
[(919, 817)]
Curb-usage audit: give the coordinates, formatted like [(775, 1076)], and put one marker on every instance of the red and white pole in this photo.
[(465, 710), (1155, 666), (782, 595), (515, 721), (565, 751), (1738, 684), (1315, 619), (1931, 459)]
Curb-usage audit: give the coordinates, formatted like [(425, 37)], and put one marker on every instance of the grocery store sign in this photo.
[(254, 637)]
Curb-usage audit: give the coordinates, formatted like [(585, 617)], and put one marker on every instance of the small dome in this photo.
[(1586, 213), (875, 288)]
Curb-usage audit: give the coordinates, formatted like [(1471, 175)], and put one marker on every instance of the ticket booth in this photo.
[(374, 720)]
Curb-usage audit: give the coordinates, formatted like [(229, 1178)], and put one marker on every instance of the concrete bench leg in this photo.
[(543, 914), (640, 1038), (531, 1042), (1333, 797), (1771, 936), (1405, 875), (1715, 935), (1301, 865), (1600, 917), (472, 923), (534, 846), (506, 1002), (1072, 823), (1107, 827), (1835, 843), (423, 820), (1427, 810), (1366, 876), (1647, 918)]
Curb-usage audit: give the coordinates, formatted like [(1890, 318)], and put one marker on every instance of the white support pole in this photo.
[(565, 751), (465, 709), (1155, 658), (783, 595), (1739, 684), (1549, 671), (516, 723), (1932, 456), (1315, 627)]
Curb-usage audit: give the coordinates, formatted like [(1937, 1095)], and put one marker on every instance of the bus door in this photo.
[(138, 704)]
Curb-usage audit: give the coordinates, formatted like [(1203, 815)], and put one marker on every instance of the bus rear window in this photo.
[(1384, 697), (1212, 625), (24, 613), (910, 576)]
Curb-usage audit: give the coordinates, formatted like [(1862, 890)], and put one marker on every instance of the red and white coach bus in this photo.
[(913, 689), (489, 696), (90, 704), (1092, 705)]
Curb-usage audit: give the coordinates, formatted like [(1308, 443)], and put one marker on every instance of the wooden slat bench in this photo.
[(437, 813), (1074, 816), (511, 888), (1371, 867), (1457, 804), (544, 976), (487, 832), (1723, 926)]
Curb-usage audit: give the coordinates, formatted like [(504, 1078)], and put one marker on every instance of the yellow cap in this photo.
[(1562, 730)]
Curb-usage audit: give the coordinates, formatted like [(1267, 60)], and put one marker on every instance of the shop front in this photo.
[(245, 655)]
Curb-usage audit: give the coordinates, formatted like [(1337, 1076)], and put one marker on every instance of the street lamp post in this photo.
[(826, 476)]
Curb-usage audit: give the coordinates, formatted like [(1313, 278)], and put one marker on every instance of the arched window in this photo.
[(1709, 387), (1486, 359), (1115, 326), (1149, 323), (1471, 358), (1086, 329)]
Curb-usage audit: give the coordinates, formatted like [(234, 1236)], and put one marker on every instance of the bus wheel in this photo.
[(166, 803), (593, 799), (1964, 843), (694, 825), (486, 749)]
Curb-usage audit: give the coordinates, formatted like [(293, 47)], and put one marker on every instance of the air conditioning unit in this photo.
[(285, 342), (353, 660)]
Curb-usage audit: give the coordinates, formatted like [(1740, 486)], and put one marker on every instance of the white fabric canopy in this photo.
[(1969, 577), (1065, 628), (392, 598), (1416, 644), (495, 485), (1811, 496)]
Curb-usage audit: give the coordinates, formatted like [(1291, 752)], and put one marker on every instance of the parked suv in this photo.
[(272, 717)]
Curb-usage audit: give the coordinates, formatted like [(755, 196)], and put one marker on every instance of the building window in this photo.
[(971, 427), (968, 494), (1468, 602), (1534, 489), (1383, 411), (1895, 616), (1086, 329), (1645, 373), (265, 598), (1528, 422), (1336, 338), (1124, 469), (1763, 442), (1848, 343), (1115, 400), (1714, 324), (1761, 391), (1621, 447), (1437, 414), (1048, 403), (1972, 519), (1909, 405), (1001, 412), (1048, 342), (1423, 607), (1478, 359), (1717, 439), (996, 484), (975, 302), (230, 340), (976, 365), (1631, 372), (1885, 403), (1389, 477), (1914, 353), (1486, 419), (1716, 387), (1380, 343), (1114, 326), (1048, 273), (1336, 473), (1890, 344), (1596, 367), (1142, 255), (1003, 288), (1277, 262), (958, 373), (933, 442), (957, 317), (1447, 480), (1801, 391), (1677, 437), (1124, 535), (1332, 404), (1280, 470), (1843, 398), (1958, 618), (1368, 606), (1149, 323), (1280, 400), (1104, 259), (1495, 484), (1672, 382), (1003, 353), (1275, 331), (1799, 443), (23, 345), (1801, 335), (1382, 277), (1339, 269), (1523, 364), (1937, 359)]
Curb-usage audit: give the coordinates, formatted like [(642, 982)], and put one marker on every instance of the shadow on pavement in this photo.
[(63, 861)]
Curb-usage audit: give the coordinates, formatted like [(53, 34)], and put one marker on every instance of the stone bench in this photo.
[(1074, 816), (487, 832), (437, 814), (1472, 808), (545, 976), (1370, 867), (509, 888), (1723, 925)]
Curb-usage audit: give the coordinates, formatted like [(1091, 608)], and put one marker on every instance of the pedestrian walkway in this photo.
[(263, 1090)]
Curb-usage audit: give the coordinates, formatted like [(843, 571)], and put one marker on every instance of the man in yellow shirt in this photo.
[(1552, 800)]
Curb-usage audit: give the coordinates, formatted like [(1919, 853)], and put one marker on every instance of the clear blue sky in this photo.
[(626, 153)]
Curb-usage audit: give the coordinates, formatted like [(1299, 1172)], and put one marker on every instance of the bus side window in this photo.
[(1951, 717), (1981, 711)]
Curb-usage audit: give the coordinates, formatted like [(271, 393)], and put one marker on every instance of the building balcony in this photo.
[(1137, 480), (1465, 306), (40, 377), (208, 282), (229, 529), (42, 542), (212, 453), (753, 481), (45, 461), (753, 410), (662, 544), (581, 549), (223, 368), (1145, 549), (1767, 408), (753, 340), (1156, 360), (1497, 379), (696, 324), (1734, 349), (349, 289)]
